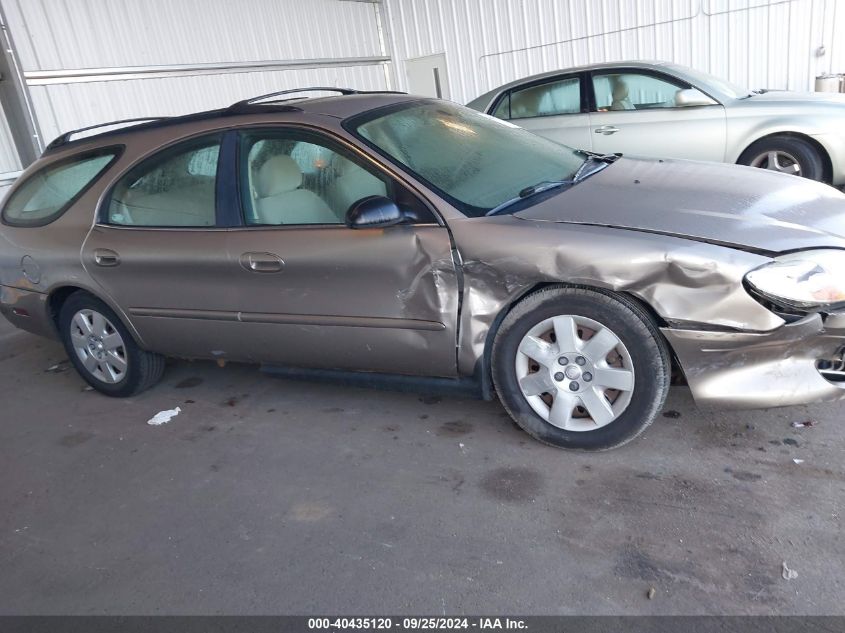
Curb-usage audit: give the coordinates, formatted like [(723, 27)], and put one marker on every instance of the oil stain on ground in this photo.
[(743, 475), (193, 381), (514, 484), (455, 428), (234, 400), (75, 439)]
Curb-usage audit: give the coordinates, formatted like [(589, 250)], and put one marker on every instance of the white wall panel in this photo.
[(8, 154), (64, 34), (64, 107), (758, 43), (834, 27), (98, 37)]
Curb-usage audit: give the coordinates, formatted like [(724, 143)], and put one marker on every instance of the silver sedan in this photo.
[(670, 111)]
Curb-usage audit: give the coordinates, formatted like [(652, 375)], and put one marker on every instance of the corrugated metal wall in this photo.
[(70, 50), (100, 37), (9, 162), (757, 43)]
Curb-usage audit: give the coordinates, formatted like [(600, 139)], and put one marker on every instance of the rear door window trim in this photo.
[(220, 136), (585, 102)]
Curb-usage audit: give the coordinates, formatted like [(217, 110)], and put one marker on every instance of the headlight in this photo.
[(807, 279)]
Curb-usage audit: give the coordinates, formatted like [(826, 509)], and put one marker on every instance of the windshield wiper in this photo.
[(583, 172), (540, 187), (608, 158), (593, 164), (527, 192)]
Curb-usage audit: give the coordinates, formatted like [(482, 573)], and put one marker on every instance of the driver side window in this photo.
[(633, 91), (291, 179)]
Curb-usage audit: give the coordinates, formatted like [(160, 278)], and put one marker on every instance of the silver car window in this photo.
[(474, 160), (633, 91), (548, 99), (707, 82)]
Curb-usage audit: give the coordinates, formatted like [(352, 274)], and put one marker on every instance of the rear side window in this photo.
[(633, 91), (175, 188), (548, 99), (50, 191)]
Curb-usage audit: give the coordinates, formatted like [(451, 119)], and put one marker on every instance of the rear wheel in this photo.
[(103, 351), (580, 368), (786, 155)]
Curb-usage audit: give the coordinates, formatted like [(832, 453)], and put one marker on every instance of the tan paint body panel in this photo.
[(396, 300), (345, 299)]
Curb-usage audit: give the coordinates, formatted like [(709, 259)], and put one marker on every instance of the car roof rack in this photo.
[(247, 105), (65, 138), (254, 101)]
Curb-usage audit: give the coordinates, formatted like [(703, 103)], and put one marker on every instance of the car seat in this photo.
[(281, 201)]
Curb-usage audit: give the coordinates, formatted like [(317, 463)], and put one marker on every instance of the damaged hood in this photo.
[(743, 207)]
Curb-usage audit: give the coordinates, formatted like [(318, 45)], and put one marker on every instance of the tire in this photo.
[(641, 352), (790, 151), (111, 362)]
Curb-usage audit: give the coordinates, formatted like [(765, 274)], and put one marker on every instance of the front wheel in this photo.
[(785, 154), (580, 368), (103, 351)]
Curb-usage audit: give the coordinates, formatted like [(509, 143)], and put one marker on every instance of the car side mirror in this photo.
[(374, 212), (692, 97)]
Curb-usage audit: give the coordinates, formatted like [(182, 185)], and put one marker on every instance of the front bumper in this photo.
[(741, 370)]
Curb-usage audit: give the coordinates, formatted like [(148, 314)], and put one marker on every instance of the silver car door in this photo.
[(635, 112)]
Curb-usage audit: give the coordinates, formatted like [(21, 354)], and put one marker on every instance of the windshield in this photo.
[(475, 161), (724, 86)]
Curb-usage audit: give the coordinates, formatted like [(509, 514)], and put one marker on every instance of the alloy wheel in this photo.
[(99, 346), (778, 160)]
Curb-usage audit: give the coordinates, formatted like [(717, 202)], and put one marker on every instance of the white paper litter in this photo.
[(798, 461), (163, 417), (787, 573)]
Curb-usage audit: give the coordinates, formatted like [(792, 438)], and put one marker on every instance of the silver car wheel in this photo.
[(575, 373), (778, 160), (99, 346)]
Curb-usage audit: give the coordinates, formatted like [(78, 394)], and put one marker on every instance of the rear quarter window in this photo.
[(49, 192)]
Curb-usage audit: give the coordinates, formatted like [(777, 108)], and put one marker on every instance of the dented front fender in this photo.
[(683, 281)]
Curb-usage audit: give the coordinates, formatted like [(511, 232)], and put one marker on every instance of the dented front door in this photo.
[(328, 296)]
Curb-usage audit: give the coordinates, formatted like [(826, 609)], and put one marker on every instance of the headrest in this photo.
[(620, 90), (279, 174)]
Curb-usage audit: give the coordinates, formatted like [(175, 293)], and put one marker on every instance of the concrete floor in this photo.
[(270, 496)]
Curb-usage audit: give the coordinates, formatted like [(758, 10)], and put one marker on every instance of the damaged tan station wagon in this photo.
[(412, 240)]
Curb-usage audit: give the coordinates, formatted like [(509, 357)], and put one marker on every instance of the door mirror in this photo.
[(373, 212), (692, 97)]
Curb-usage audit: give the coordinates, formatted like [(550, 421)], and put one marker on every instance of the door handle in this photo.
[(106, 257), (262, 262), (606, 129)]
